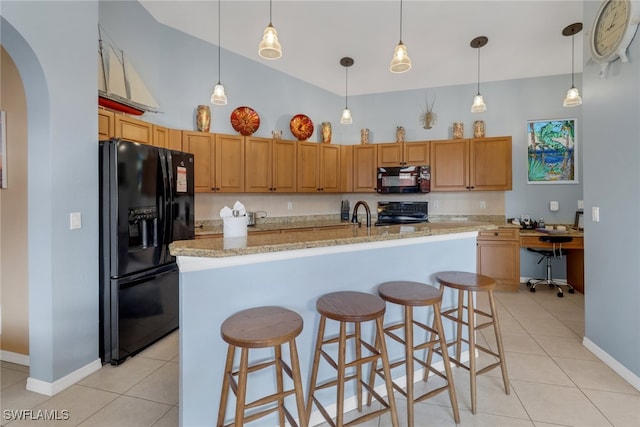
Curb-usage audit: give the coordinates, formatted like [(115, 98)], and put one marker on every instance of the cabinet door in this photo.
[(308, 170), (175, 140), (346, 168), (390, 154), (229, 161), (500, 260), (258, 165), (106, 124), (450, 165), (133, 129), (490, 167), (329, 168), (202, 146), (364, 168), (160, 136), (416, 153), (284, 166)]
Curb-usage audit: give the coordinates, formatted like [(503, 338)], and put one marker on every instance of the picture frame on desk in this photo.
[(578, 223), (552, 147)]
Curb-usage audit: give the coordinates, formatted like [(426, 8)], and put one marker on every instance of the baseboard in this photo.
[(17, 358), (51, 388), (351, 403), (626, 374)]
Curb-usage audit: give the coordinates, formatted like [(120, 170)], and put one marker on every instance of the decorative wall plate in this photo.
[(245, 120), (301, 127)]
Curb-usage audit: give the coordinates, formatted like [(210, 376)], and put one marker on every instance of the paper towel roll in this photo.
[(234, 226)]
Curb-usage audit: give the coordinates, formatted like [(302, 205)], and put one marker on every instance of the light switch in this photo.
[(580, 204), (554, 206), (595, 214), (75, 220)]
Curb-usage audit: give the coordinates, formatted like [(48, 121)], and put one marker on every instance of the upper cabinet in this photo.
[(479, 164), (133, 129), (219, 161), (403, 154), (106, 124), (160, 136), (318, 168), (270, 165), (365, 160)]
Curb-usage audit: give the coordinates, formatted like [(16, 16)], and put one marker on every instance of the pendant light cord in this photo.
[(400, 21), (270, 21), (218, 41), (478, 70), (573, 36), (346, 87)]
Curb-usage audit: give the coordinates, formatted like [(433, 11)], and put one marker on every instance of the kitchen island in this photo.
[(219, 277)]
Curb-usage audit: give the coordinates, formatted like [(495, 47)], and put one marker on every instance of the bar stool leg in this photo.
[(408, 348), (342, 348), (314, 369), (472, 349), (279, 382), (459, 325), (297, 383), (359, 366), (242, 386), (387, 372), (496, 329), (437, 320), (228, 367)]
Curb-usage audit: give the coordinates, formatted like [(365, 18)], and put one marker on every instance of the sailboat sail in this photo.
[(120, 87)]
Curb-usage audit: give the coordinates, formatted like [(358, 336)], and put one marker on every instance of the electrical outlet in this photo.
[(554, 206), (289, 206), (75, 220), (580, 204), (434, 204), (483, 205)]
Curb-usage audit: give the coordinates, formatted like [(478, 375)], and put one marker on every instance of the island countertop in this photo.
[(287, 240)]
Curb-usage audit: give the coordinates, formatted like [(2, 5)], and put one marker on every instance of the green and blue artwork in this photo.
[(551, 151)]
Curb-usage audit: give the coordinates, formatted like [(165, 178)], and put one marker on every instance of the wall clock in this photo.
[(613, 29)]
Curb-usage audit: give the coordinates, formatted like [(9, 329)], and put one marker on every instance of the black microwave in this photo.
[(404, 179)]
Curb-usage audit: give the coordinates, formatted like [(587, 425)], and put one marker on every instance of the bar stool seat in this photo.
[(466, 284), (262, 327), (350, 307), (409, 295)]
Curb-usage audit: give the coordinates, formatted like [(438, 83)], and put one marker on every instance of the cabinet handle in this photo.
[(496, 234)]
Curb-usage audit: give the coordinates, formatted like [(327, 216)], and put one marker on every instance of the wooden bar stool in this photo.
[(262, 327), (468, 283), (351, 307), (410, 295)]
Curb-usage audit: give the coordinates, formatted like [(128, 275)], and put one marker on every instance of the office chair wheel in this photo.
[(532, 290), (560, 294), (572, 291)]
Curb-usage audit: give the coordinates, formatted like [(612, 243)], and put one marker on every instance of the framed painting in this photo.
[(3, 150), (552, 152)]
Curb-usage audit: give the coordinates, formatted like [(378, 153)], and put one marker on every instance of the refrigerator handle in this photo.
[(165, 164)]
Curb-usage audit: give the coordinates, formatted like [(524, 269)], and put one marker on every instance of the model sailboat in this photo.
[(120, 87)]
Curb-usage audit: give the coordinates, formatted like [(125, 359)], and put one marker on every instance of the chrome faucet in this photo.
[(354, 218)]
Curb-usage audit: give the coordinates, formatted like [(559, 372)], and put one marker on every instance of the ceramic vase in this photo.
[(364, 136), (400, 134), (478, 129), (458, 130), (326, 132), (203, 118)]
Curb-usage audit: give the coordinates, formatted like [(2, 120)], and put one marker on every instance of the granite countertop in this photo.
[(299, 235)]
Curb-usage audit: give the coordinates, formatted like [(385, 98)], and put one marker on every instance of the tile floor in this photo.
[(554, 380)]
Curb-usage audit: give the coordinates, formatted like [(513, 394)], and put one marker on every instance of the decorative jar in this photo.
[(203, 118), (458, 130)]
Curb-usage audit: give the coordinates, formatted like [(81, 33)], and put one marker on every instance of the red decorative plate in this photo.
[(301, 127), (245, 120)]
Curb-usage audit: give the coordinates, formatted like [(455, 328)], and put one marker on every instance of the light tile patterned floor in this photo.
[(555, 381)]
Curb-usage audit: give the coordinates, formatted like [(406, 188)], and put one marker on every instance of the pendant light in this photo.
[(478, 105), (218, 96), (400, 62), (346, 119), (573, 98), (270, 46)]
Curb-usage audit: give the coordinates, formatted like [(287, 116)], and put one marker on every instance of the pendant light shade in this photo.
[(270, 46), (218, 97), (478, 105), (346, 119), (573, 98), (400, 62)]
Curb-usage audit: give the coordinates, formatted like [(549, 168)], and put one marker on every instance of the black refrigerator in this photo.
[(146, 202)]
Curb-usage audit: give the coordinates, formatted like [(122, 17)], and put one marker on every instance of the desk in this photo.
[(575, 253)]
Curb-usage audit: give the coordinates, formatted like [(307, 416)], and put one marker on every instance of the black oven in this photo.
[(402, 213)]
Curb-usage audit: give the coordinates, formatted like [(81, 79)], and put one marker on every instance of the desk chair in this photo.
[(556, 252)]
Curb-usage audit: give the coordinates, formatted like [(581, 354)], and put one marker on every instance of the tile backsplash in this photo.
[(279, 205)]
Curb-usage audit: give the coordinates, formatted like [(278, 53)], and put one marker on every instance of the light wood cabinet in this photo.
[(175, 140), (133, 129), (106, 124), (160, 136), (219, 161), (365, 160), (270, 165), (403, 154), (346, 168), (499, 256), (479, 164), (318, 168)]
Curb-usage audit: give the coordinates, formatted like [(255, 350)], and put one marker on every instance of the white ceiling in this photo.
[(525, 38)]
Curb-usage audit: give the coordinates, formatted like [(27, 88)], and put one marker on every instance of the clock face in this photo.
[(609, 29)]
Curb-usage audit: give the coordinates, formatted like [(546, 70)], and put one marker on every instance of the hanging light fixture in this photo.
[(346, 119), (478, 105), (270, 46), (218, 96), (573, 96), (400, 62)]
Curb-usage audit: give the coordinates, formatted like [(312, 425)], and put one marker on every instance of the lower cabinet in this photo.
[(499, 256)]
